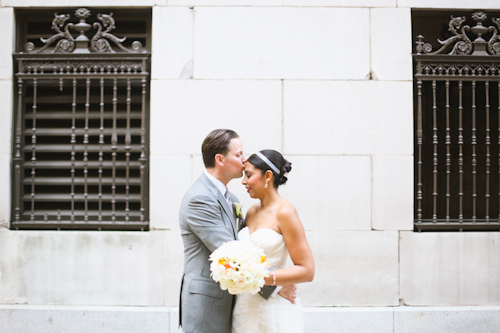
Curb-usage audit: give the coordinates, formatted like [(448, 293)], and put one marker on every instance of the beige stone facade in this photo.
[(328, 83)]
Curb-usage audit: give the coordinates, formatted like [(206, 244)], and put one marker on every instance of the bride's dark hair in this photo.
[(279, 162)]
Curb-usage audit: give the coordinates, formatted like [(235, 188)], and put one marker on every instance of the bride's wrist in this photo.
[(274, 278)]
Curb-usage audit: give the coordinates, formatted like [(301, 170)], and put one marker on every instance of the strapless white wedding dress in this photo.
[(253, 313)]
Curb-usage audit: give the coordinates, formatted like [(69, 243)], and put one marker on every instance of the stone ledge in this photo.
[(99, 319)]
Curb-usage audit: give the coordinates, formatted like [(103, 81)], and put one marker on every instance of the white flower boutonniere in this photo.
[(237, 209)]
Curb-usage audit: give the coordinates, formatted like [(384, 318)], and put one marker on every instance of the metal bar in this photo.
[(92, 131), (81, 181), (101, 143), (79, 164), (451, 77), (33, 147), (142, 158), (419, 145), (18, 157), (460, 153), (448, 152), (80, 197), (474, 154), (488, 156), (85, 152), (435, 154), (70, 76), (114, 148), (73, 153), (92, 115), (79, 148), (128, 147)]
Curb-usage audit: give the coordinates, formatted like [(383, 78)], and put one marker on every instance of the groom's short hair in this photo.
[(216, 142)]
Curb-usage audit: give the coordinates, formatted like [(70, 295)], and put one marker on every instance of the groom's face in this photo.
[(234, 159)]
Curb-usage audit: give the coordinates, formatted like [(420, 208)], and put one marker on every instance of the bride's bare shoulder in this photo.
[(286, 210), (253, 209)]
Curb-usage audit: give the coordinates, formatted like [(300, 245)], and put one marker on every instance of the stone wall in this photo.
[(328, 83)]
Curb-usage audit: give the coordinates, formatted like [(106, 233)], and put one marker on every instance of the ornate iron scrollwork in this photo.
[(66, 43), (462, 45)]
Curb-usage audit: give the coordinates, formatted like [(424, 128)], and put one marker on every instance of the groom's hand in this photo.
[(289, 292)]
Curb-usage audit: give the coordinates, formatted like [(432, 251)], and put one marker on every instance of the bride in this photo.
[(273, 225)]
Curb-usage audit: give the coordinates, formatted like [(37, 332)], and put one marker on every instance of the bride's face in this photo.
[(253, 180)]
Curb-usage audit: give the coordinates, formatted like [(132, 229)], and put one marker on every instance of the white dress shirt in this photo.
[(221, 187)]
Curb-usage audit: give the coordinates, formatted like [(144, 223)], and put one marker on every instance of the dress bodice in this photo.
[(271, 242), (253, 313)]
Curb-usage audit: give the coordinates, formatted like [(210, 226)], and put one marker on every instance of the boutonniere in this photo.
[(237, 209)]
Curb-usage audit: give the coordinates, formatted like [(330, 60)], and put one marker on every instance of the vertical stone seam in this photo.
[(400, 298), (370, 74), (164, 270), (192, 169), (393, 319), (193, 14), (283, 116), (371, 193)]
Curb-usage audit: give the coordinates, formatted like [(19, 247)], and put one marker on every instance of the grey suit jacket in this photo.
[(206, 221)]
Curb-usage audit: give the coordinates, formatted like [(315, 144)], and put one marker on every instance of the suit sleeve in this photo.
[(205, 219)]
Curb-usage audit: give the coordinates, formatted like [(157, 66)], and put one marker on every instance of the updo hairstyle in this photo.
[(278, 160)]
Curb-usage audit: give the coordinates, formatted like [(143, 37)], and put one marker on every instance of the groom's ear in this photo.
[(219, 159)]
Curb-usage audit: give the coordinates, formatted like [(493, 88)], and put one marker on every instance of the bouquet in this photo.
[(240, 267)]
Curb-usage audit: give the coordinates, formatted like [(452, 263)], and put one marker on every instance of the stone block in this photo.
[(183, 112), (331, 192), (353, 268), (5, 190), (170, 177), (391, 44), (60, 319), (174, 266), (172, 33), (6, 111), (393, 192), (82, 268), (7, 36), (78, 3), (63, 319), (452, 4), (341, 3), (447, 319), (348, 117), (348, 320), (212, 3), (281, 43), (450, 269)]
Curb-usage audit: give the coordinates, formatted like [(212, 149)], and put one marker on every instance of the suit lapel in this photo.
[(222, 201)]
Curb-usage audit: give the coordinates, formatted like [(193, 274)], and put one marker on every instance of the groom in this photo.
[(207, 220)]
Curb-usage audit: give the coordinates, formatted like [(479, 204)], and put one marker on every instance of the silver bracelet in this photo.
[(274, 278)]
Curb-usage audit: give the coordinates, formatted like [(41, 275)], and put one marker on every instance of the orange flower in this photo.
[(223, 261), (263, 259)]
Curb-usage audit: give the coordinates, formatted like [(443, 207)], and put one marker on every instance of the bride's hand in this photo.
[(289, 292)]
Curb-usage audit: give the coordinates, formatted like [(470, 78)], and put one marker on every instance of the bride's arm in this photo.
[(295, 238)]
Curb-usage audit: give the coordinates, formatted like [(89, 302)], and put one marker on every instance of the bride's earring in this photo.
[(266, 185)]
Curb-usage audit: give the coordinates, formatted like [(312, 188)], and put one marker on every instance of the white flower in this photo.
[(239, 266)]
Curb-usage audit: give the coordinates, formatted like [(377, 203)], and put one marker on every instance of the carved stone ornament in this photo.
[(66, 43), (461, 43)]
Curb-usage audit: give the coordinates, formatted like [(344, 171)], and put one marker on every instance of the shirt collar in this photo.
[(220, 185)]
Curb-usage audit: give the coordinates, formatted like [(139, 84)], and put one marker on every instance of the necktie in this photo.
[(228, 199)]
